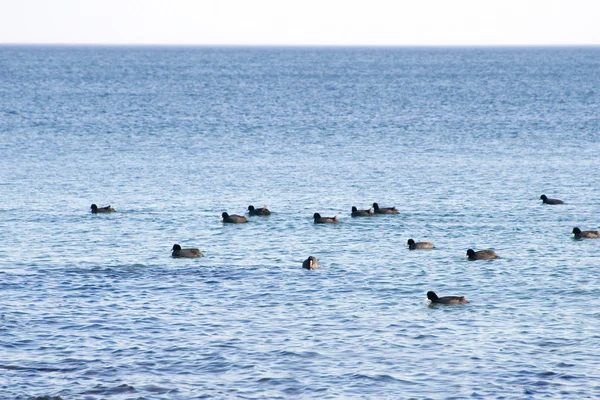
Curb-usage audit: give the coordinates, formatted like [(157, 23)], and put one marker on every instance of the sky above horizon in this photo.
[(307, 22)]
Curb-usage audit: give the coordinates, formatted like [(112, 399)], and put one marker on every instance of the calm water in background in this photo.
[(462, 141)]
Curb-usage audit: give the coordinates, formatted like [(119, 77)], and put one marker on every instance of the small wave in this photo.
[(567, 377), (278, 381), (424, 337), (542, 383), (303, 354), (158, 389), (381, 378), (38, 369), (564, 365), (101, 389)]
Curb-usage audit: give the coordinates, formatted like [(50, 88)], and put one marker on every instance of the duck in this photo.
[(362, 213), (446, 299), (384, 210), (178, 252), (234, 218), (258, 211), (481, 254), (311, 263), (419, 245), (579, 234), (98, 210), (546, 200), (325, 220)]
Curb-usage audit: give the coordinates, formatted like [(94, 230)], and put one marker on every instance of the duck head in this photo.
[(432, 296)]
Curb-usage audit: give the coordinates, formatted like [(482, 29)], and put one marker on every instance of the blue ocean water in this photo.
[(463, 141)]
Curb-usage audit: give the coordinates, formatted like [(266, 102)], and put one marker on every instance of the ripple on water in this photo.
[(462, 142)]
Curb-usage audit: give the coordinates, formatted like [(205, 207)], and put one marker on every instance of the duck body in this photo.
[(311, 263), (546, 200), (178, 252), (412, 245), (446, 299), (384, 210), (325, 220), (234, 219), (481, 255), (362, 213), (258, 211), (579, 234), (101, 210)]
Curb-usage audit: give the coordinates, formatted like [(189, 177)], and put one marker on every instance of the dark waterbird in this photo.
[(481, 254), (446, 299), (311, 263), (178, 252), (412, 245), (546, 200), (259, 211), (325, 220), (579, 234), (384, 210), (234, 218), (98, 210), (362, 213)]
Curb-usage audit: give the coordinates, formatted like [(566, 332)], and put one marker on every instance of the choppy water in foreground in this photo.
[(462, 141)]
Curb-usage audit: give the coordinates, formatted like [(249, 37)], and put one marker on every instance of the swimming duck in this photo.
[(481, 255), (419, 245), (579, 234), (234, 218), (546, 200), (178, 252), (325, 220), (97, 210), (384, 210), (311, 263), (258, 211), (446, 299), (362, 213)]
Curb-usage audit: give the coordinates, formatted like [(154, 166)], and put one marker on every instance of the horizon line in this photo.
[(308, 45)]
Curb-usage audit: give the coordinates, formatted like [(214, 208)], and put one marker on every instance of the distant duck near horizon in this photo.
[(446, 299), (233, 219), (546, 200), (178, 252), (412, 245), (362, 213), (311, 263), (579, 234), (481, 254), (99, 210), (325, 220), (259, 211), (384, 210)]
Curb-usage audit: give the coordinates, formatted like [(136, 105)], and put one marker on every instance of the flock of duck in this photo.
[(312, 262)]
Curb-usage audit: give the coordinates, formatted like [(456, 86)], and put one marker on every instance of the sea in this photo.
[(462, 141)]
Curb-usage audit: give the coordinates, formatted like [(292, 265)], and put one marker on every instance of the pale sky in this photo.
[(302, 22)]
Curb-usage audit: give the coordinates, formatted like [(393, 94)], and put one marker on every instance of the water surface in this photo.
[(462, 141)]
